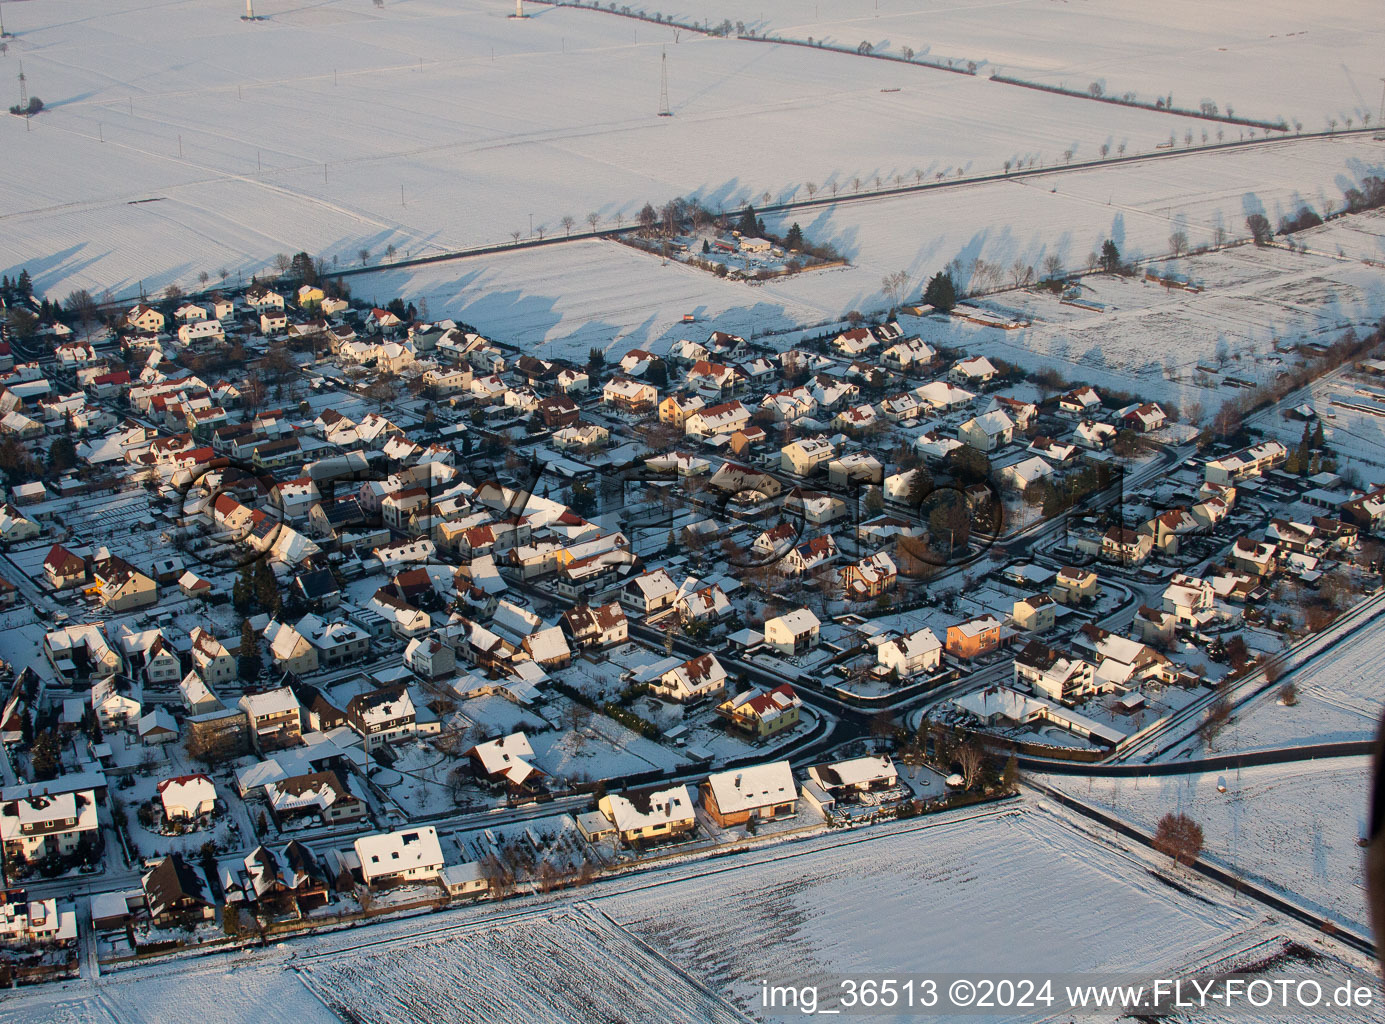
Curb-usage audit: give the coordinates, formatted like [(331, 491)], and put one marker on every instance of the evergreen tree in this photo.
[(1318, 435), (748, 225), (1110, 257), (794, 239), (24, 285), (44, 756), (249, 663), (941, 292)]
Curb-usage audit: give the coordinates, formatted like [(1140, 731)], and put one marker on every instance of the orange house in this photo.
[(973, 637)]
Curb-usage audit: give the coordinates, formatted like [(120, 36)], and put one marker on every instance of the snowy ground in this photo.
[(1338, 700), (338, 126), (691, 941), (1292, 827), (1284, 59)]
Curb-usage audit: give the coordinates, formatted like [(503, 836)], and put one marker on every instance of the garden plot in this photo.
[(1185, 347), (145, 173), (1288, 59), (555, 840), (417, 781), (600, 748), (569, 967), (1291, 827), (1351, 407)]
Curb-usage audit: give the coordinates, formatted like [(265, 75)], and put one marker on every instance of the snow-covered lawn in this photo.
[(1292, 827)]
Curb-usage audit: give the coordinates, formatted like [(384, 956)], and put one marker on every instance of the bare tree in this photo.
[(1178, 243), (894, 285), (1053, 267), (973, 761), (567, 222), (593, 219), (515, 236), (1180, 837), (282, 263), (364, 255), (812, 188), (81, 305), (203, 278)]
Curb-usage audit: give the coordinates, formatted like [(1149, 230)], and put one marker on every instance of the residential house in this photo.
[(974, 637), (40, 824), (187, 797), (692, 680), (177, 894), (987, 432), (909, 655), (655, 812), (1035, 614), (385, 715), (762, 713), (596, 626), (794, 632), (870, 577), (1075, 586), (274, 718), (392, 858), (1049, 672), (758, 793)]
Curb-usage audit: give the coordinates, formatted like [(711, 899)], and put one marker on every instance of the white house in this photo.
[(794, 632), (187, 796), (920, 651), (392, 857), (698, 677)]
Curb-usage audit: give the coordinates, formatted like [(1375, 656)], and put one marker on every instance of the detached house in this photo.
[(761, 792), (651, 813), (274, 718), (794, 632), (762, 713), (649, 594), (1050, 673), (692, 680), (392, 858), (598, 626), (382, 716), (145, 318), (988, 432), (868, 578), (38, 825), (910, 655), (974, 637)]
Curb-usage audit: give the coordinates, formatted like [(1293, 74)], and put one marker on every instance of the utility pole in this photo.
[(1378, 120), (3, 33), (664, 109)]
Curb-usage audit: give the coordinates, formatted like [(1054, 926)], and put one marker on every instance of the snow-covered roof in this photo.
[(638, 809), (745, 789), (393, 852), (508, 756)]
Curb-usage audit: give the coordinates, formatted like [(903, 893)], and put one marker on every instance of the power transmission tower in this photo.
[(664, 110)]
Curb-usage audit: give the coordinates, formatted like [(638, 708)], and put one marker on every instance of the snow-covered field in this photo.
[(1002, 889), (1292, 827), (1286, 58), (1338, 701), (215, 143)]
